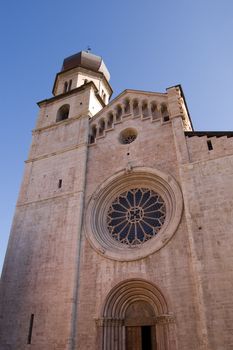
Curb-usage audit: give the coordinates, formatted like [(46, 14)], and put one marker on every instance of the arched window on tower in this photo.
[(65, 87), (63, 113)]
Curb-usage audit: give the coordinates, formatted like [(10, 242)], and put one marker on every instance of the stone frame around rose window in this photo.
[(97, 207)]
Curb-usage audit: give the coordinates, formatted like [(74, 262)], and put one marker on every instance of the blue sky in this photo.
[(147, 45)]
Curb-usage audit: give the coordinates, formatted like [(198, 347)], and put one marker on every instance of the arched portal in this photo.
[(136, 317)]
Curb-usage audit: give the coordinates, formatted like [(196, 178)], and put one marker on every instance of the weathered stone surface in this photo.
[(52, 270)]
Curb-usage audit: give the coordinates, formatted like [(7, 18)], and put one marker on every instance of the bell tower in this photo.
[(39, 280), (80, 69), (82, 86)]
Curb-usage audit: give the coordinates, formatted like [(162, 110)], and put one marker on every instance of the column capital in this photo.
[(109, 321), (165, 319)]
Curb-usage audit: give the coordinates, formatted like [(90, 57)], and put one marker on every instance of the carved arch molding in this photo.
[(131, 307)]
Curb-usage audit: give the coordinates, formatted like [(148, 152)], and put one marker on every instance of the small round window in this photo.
[(135, 216), (127, 136)]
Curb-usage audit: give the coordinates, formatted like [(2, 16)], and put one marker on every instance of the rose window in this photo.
[(135, 216), (128, 136)]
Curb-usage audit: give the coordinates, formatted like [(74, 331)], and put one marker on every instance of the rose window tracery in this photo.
[(128, 136), (135, 216), (129, 139)]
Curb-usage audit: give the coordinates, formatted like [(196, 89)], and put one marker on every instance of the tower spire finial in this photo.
[(88, 50)]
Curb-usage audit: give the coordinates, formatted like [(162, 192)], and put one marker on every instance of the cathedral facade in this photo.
[(123, 230)]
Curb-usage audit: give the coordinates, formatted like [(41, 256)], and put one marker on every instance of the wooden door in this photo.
[(133, 338), (140, 338), (140, 327)]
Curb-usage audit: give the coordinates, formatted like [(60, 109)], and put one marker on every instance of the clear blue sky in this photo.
[(147, 45)]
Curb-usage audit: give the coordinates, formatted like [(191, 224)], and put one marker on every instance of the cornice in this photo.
[(57, 124), (44, 156)]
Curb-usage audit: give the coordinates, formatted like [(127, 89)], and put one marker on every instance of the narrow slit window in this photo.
[(65, 87), (30, 329), (60, 183), (70, 84), (209, 144)]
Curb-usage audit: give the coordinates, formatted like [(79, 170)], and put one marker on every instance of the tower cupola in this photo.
[(80, 69)]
